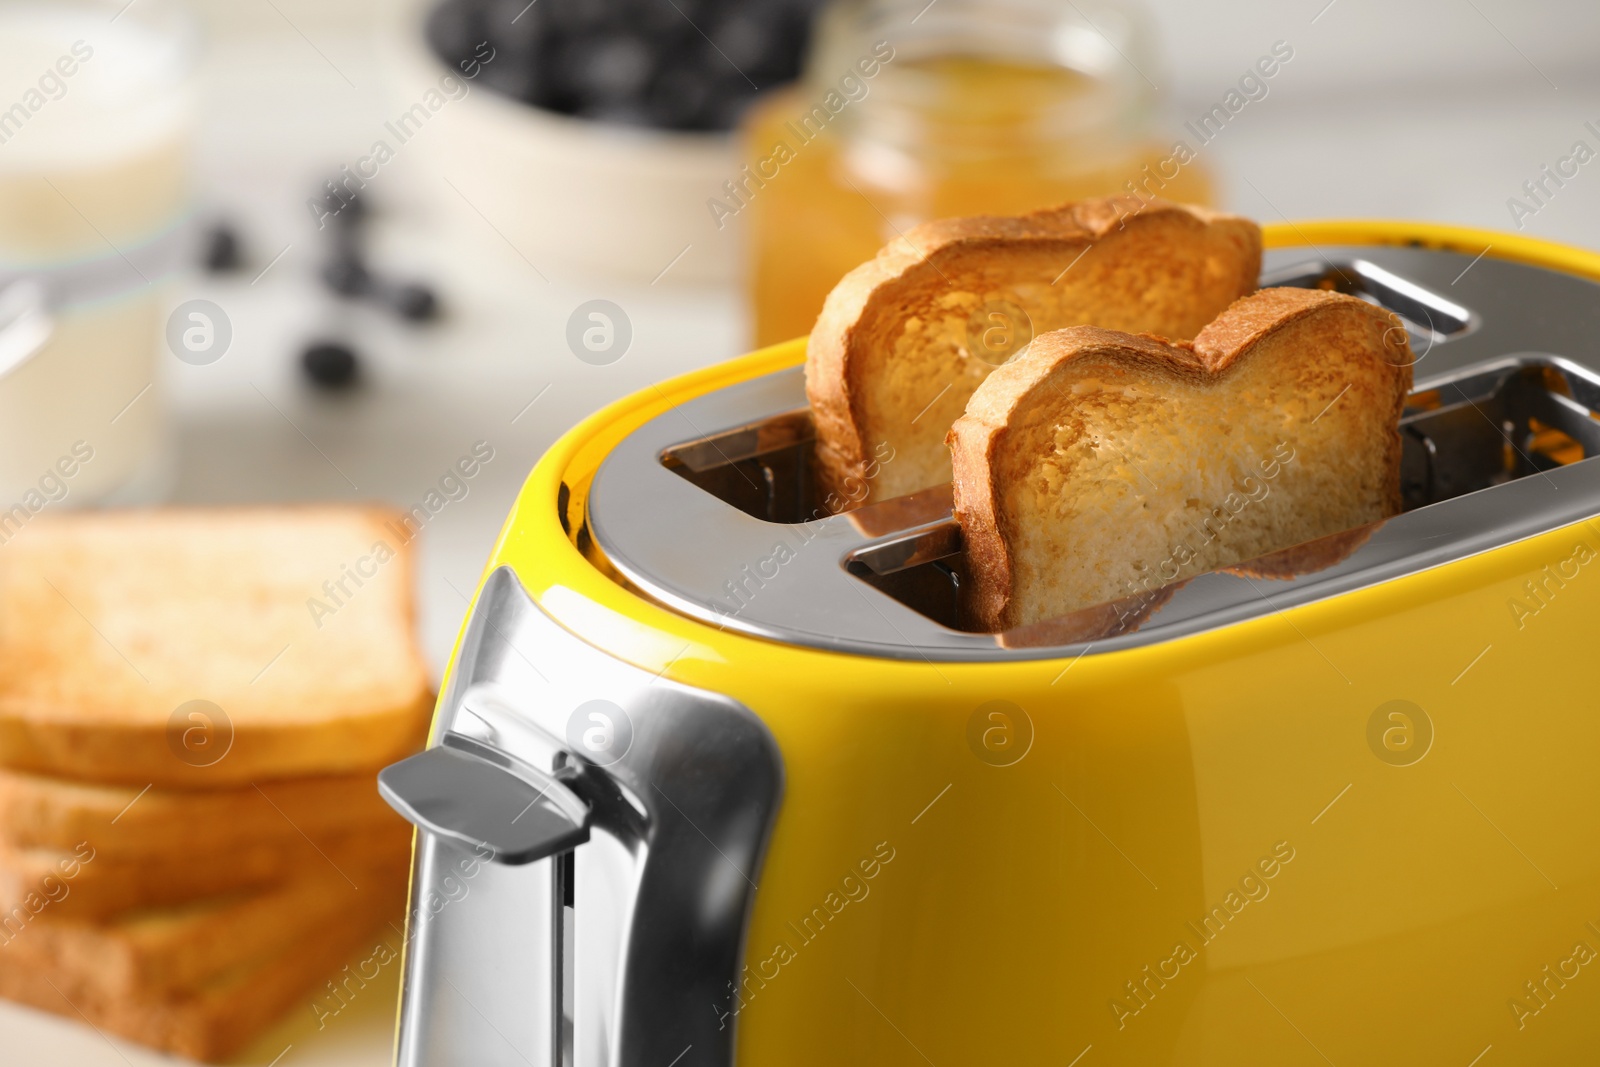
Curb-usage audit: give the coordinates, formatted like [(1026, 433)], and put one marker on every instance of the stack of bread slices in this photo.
[(194, 705)]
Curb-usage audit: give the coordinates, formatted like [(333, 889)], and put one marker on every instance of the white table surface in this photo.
[(277, 115)]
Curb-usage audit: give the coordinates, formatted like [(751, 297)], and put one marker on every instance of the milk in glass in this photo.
[(95, 117)]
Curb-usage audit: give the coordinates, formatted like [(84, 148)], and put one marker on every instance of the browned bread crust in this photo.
[(889, 368), (1317, 352)]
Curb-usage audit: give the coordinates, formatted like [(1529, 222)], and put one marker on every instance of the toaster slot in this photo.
[(922, 569), (1487, 428), (763, 468), (1429, 317)]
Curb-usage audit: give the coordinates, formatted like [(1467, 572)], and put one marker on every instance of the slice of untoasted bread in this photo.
[(904, 340), (1100, 465), (225, 1009), (295, 622), (182, 947), (84, 883), (56, 813)]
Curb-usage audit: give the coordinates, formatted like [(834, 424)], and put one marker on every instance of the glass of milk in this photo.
[(96, 111)]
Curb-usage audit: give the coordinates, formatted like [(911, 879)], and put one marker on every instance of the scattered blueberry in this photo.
[(222, 253), (743, 40), (330, 365), (347, 277), (352, 210), (414, 302), (617, 70)]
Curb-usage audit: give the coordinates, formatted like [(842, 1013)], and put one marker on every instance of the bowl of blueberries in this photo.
[(593, 133)]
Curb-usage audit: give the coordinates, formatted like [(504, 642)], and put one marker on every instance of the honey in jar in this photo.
[(911, 111)]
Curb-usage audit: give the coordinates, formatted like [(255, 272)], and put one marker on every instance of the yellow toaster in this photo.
[(716, 778)]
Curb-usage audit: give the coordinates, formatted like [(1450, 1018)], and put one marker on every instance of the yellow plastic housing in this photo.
[(1232, 848)]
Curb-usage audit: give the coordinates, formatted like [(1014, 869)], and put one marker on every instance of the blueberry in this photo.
[(724, 109), (744, 42), (347, 277), (679, 97), (330, 365), (514, 26), (617, 70), (648, 16), (356, 209), (454, 29), (415, 302), (577, 16), (344, 223), (222, 253)]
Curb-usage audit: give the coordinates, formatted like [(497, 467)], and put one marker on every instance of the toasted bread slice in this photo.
[(296, 622), (85, 884), (904, 340), (1100, 465), (222, 1005), (183, 947), (56, 813)]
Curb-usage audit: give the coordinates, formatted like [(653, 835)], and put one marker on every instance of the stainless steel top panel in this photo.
[(811, 583)]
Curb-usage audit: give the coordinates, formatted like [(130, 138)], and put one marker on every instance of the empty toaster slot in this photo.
[(1494, 426), (921, 568), (763, 468), (1489, 426), (1428, 317)]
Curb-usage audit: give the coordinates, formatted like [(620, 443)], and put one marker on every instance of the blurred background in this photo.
[(285, 250)]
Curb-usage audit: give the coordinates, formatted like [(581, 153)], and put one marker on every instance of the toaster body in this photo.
[(717, 779)]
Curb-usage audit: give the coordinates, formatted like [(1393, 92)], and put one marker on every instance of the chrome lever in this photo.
[(606, 955), (516, 816)]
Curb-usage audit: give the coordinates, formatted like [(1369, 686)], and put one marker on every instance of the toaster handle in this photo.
[(510, 816), (621, 951)]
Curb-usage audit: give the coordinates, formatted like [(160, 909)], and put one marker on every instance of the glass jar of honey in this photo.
[(911, 110)]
